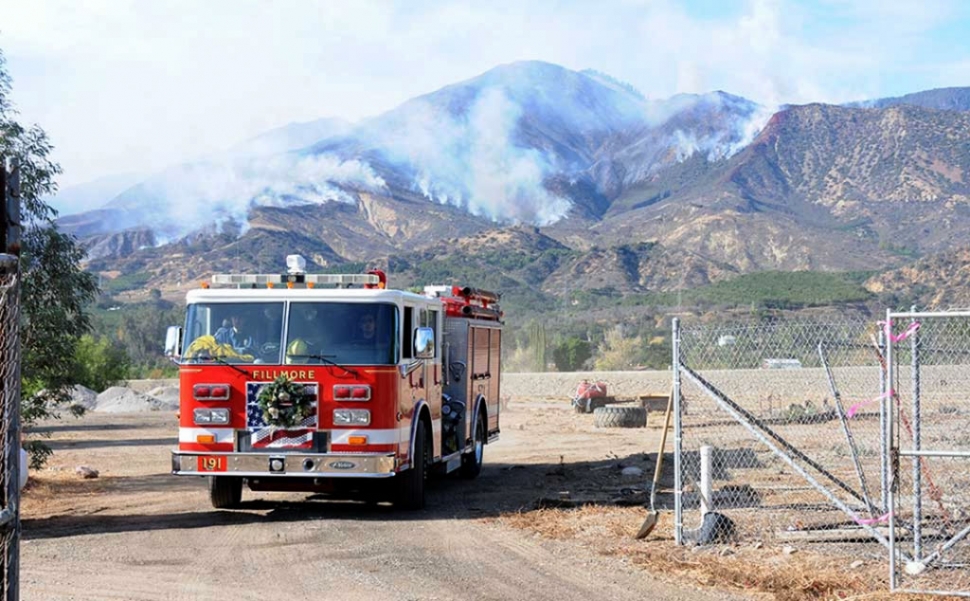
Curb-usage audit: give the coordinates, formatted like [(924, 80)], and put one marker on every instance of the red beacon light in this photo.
[(381, 280)]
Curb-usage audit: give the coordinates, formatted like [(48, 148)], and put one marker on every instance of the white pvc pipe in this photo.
[(706, 485)]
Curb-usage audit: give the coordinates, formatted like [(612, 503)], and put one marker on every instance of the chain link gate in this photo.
[(9, 384), (10, 427), (929, 446), (847, 437), (780, 434)]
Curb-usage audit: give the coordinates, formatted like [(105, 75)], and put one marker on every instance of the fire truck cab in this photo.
[(330, 383)]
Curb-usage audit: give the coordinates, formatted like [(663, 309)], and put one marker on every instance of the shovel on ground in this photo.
[(651, 521)]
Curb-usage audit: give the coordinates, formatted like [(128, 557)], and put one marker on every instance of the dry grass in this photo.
[(52, 492), (748, 567)]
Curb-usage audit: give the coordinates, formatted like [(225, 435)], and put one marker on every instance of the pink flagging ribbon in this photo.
[(888, 326), (855, 408), (870, 521)]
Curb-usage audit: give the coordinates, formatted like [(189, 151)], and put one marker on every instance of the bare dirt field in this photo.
[(551, 517)]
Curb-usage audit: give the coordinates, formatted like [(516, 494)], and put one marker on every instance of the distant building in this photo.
[(781, 364)]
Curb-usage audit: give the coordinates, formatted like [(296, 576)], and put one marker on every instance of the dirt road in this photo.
[(138, 533)]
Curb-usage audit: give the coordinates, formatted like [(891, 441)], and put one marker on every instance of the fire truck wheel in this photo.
[(471, 463), (620, 417), (410, 483), (225, 492)]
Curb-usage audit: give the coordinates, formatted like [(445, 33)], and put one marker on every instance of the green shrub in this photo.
[(101, 363), (125, 282), (571, 354)]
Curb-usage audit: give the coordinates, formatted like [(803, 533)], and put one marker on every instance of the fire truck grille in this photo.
[(244, 444), (260, 436)]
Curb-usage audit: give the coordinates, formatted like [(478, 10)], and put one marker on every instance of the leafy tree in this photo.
[(571, 354), (619, 352), (139, 328), (54, 289), (537, 336), (658, 353), (101, 362)]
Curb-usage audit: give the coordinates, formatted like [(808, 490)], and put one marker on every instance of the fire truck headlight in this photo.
[(211, 416), (351, 417)]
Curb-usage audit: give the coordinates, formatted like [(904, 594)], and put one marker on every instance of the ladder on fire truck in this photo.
[(465, 301)]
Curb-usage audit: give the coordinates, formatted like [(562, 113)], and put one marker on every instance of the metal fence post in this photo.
[(678, 433), (917, 477), (706, 485), (888, 402), (884, 450)]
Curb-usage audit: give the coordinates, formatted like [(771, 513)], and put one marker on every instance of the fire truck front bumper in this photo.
[(311, 465)]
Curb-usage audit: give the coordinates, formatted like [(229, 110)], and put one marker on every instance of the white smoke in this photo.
[(212, 194), (725, 142), (506, 180), (472, 161), (685, 145), (461, 148), (748, 129)]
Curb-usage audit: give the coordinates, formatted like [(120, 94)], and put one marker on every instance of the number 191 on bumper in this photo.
[(212, 463)]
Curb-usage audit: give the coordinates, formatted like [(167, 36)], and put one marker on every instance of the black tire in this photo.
[(471, 463), (225, 492), (410, 484), (620, 417)]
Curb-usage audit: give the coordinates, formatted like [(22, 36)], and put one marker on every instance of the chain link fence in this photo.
[(848, 437), (929, 367), (781, 434), (9, 382), (10, 424)]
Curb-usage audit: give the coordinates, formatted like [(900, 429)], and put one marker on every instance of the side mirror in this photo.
[(423, 343), (173, 340)]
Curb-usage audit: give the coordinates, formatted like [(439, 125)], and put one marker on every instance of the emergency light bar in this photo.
[(333, 279)]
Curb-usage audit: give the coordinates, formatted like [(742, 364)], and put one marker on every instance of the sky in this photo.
[(131, 87)]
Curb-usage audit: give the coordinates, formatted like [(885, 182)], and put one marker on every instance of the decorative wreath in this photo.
[(284, 403)]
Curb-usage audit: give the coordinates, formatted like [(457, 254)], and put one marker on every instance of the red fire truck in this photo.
[(334, 383)]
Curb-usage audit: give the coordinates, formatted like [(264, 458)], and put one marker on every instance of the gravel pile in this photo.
[(167, 396), (84, 397), (118, 399)]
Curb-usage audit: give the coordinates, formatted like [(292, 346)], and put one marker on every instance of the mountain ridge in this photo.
[(629, 187)]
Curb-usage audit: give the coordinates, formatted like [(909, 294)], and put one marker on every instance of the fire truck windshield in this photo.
[(341, 332), (234, 332)]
